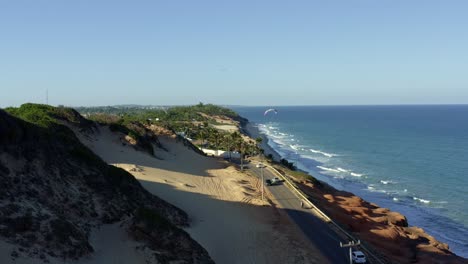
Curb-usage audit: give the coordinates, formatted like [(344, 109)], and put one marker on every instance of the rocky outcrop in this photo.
[(54, 191), (386, 231)]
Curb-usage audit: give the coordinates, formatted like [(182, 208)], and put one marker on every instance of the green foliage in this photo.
[(300, 175), (41, 115), (133, 135), (144, 115), (105, 119), (192, 120), (152, 220), (49, 118), (45, 115), (287, 164)]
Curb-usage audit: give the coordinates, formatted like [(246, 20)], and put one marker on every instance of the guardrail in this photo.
[(322, 214)]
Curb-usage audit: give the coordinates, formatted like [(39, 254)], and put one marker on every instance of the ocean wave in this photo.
[(330, 155), (297, 147), (373, 189), (387, 182), (327, 169), (342, 170), (441, 202), (421, 200)]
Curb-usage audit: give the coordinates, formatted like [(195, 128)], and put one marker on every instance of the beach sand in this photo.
[(227, 217)]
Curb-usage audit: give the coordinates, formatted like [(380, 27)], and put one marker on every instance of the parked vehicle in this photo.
[(358, 257)]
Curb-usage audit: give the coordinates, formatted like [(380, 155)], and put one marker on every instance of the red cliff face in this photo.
[(386, 231)]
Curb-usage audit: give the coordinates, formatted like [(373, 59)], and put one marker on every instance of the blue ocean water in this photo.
[(411, 159)]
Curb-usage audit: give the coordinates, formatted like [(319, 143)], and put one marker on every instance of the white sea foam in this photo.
[(356, 174), (386, 182), (441, 202), (421, 200), (342, 170), (377, 190), (396, 199), (330, 155), (372, 188), (327, 169), (295, 147)]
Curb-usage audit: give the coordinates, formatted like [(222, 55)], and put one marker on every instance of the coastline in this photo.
[(401, 241), (249, 129)]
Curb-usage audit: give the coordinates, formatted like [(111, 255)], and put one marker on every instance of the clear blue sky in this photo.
[(233, 52)]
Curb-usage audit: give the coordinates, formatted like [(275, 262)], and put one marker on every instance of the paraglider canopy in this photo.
[(270, 110)]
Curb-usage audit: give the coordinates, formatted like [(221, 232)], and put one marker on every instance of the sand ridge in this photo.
[(227, 215)]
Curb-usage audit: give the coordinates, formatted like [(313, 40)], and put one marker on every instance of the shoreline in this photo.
[(397, 223), (254, 133)]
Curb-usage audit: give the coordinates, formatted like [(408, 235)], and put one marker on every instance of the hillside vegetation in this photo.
[(198, 123), (54, 191)]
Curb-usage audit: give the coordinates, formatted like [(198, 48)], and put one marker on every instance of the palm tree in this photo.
[(258, 142), (214, 136), (237, 142), (202, 133)]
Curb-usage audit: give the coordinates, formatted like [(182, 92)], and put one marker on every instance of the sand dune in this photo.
[(228, 218)]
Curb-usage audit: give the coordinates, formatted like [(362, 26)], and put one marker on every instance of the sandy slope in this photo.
[(227, 217), (106, 241)]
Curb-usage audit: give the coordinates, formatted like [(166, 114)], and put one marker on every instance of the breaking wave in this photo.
[(421, 200), (330, 155), (327, 169)]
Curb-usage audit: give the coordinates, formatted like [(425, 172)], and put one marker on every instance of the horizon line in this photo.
[(260, 105)]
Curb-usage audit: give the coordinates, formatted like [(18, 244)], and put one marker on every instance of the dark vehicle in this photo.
[(273, 181)]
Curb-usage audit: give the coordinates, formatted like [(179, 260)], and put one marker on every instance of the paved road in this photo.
[(317, 230)]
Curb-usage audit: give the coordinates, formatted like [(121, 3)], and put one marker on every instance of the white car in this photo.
[(275, 180), (358, 257)]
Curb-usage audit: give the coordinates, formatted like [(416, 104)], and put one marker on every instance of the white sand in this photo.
[(228, 128), (228, 218)]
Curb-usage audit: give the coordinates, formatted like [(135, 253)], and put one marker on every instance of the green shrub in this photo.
[(287, 164), (133, 135), (300, 175)]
